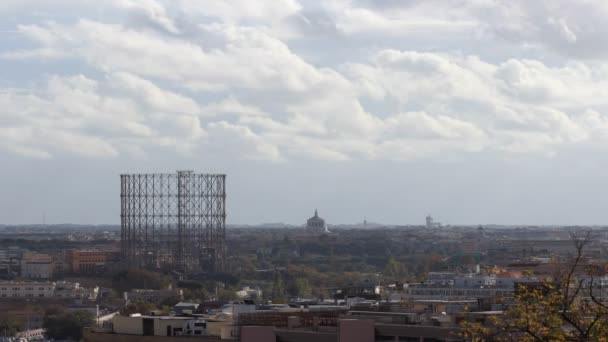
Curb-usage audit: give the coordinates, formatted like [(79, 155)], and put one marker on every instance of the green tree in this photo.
[(67, 325)]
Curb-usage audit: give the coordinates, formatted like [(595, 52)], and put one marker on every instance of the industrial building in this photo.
[(174, 221)]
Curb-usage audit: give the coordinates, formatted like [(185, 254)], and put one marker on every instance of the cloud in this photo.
[(225, 79), (150, 10), (80, 116)]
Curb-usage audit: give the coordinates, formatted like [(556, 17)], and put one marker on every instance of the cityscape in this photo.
[(303, 171), (173, 268)]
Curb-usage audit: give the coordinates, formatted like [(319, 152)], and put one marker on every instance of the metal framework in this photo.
[(174, 221)]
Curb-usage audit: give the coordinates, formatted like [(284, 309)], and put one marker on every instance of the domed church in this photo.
[(316, 224)]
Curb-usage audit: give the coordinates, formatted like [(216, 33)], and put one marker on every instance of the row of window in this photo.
[(18, 295)]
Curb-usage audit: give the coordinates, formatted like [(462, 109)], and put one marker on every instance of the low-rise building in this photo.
[(36, 266), (16, 289), (58, 290), (89, 261)]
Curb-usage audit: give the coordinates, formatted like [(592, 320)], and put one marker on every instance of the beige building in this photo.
[(14, 289), (34, 289), (36, 266)]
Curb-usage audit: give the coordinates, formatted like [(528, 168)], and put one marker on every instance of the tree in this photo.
[(394, 269), (135, 278), (10, 326), (226, 295), (299, 287), (67, 325), (568, 308)]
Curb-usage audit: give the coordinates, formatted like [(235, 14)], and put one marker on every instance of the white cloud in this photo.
[(150, 10), (221, 77)]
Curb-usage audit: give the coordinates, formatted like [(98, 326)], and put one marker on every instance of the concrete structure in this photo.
[(106, 335), (356, 330), (37, 266), (316, 224), (350, 330), (255, 333)]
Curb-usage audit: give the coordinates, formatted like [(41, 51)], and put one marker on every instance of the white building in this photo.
[(12, 289)]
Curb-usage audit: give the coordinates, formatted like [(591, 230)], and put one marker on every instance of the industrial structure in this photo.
[(174, 221)]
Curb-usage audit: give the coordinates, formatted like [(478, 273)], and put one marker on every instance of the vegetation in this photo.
[(135, 278), (562, 309), (62, 325), (10, 326)]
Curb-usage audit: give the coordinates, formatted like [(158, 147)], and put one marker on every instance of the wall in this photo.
[(128, 325), (90, 336), (356, 330), (257, 334), (26, 289)]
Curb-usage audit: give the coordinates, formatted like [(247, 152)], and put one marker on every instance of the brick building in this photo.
[(89, 261)]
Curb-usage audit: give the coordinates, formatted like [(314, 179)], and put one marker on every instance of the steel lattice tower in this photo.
[(175, 221)]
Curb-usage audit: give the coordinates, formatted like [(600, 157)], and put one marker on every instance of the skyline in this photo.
[(477, 112)]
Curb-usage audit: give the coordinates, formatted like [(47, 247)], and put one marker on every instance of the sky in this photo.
[(475, 111)]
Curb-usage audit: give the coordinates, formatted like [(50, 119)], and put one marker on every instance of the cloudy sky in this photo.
[(475, 111)]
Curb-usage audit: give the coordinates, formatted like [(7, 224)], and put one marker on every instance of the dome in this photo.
[(316, 224)]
